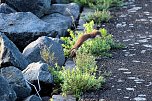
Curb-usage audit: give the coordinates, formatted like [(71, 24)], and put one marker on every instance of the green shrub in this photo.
[(105, 4), (70, 41), (81, 78), (88, 27), (99, 4), (100, 46), (56, 73), (98, 17), (116, 3), (76, 82)]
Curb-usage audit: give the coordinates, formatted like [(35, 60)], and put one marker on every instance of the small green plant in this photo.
[(105, 4), (99, 4), (116, 3), (88, 27), (48, 56), (81, 78), (76, 82), (70, 41), (98, 17)]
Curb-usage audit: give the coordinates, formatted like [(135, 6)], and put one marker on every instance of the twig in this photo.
[(73, 20), (34, 88)]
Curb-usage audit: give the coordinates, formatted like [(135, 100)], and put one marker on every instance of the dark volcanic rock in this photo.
[(45, 49), (17, 81), (38, 71), (10, 55), (61, 23), (33, 98), (6, 92), (39, 75), (24, 27), (71, 10), (60, 1), (38, 7)]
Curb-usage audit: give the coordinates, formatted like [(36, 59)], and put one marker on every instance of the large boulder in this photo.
[(24, 27), (71, 10), (61, 23), (10, 55), (4, 8), (38, 72), (33, 98), (38, 7), (45, 49), (17, 81), (6, 92)]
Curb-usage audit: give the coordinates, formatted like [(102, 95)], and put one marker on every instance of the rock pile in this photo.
[(31, 22), (33, 27)]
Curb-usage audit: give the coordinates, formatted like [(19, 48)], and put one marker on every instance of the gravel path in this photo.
[(131, 68)]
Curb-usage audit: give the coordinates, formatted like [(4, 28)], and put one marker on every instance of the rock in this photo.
[(62, 23), (33, 98), (17, 81), (70, 64), (12, 26), (38, 71), (71, 9), (60, 1), (4, 8), (38, 7), (46, 50), (61, 98), (39, 75), (6, 92), (10, 55), (102, 100), (46, 98)]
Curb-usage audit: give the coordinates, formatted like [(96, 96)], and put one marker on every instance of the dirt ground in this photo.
[(131, 68)]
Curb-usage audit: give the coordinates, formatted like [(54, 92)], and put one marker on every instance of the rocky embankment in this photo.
[(27, 30)]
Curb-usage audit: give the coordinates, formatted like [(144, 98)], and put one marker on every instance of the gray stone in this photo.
[(38, 71), (24, 27), (46, 50), (71, 10), (10, 55), (6, 92), (61, 1), (61, 98), (4, 8), (38, 7), (33, 98), (61, 23), (17, 81), (46, 98)]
